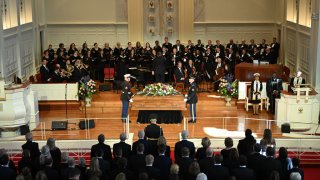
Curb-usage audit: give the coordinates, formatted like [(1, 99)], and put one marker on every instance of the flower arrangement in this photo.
[(87, 88), (158, 89), (228, 89)]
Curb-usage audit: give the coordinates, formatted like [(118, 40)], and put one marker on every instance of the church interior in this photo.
[(204, 70)]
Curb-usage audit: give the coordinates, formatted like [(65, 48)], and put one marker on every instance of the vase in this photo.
[(228, 99), (88, 101)]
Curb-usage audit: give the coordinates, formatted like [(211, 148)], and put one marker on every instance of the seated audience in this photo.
[(163, 162), (194, 170), (66, 172), (33, 147), (184, 143), (122, 168), (82, 167), (201, 152), (64, 160), (104, 165), (233, 160), (52, 174), (6, 172), (126, 148), (254, 161), (27, 162), (270, 164), (201, 176), (41, 175), (117, 154), (286, 163), (94, 172), (242, 172), (104, 147)]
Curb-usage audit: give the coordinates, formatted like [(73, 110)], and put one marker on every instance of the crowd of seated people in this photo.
[(209, 62), (244, 162)]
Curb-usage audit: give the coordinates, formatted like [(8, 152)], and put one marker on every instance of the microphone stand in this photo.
[(66, 101)]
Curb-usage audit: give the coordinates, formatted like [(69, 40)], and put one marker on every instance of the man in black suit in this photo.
[(56, 76), (255, 160), (232, 45), (5, 171), (51, 173), (126, 148), (152, 133), (117, 153), (66, 172), (104, 147), (33, 147), (207, 163), (153, 173), (199, 46), (274, 88), (269, 57), (105, 166), (242, 172), (210, 46), (163, 163), (137, 161), (141, 140), (270, 164), (122, 168), (157, 47), (245, 146), (159, 68), (219, 172), (179, 47), (242, 46), (219, 45), (167, 45), (275, 47), (179, 73), (44, 71), (184, 162), (184, 143)]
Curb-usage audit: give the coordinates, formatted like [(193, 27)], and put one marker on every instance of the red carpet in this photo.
[(311, 173)]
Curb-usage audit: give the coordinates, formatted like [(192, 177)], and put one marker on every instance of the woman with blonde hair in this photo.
[(55, 152), (174, 172), (163, 141), (94, 170)]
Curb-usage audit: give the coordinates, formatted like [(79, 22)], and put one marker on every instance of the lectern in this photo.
[(300, 109)]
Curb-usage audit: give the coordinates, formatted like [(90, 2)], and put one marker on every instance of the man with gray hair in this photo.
[(33, 147), (126, 148), (141, 140), (184, 143), (201, 176), (66, 172), (104, 147), (153, 173)]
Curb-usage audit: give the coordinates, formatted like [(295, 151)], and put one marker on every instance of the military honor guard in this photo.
[(274, 88), (256, 88), (192, 99), (126, 97), (152, 133)]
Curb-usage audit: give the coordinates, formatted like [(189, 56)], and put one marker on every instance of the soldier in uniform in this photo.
[(152, 133), (192, 99), (274, 87), (126, 96)]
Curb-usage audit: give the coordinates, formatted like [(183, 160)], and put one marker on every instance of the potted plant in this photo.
[(87, 88), (228, 90)]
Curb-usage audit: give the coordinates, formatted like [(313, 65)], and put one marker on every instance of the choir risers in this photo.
[(301, 113), (19, 107)]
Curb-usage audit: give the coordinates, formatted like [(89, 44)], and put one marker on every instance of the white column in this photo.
[(18, 39), (315, 44), (1, 47)]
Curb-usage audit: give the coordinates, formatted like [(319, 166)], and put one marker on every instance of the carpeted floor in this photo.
[(311, 173)]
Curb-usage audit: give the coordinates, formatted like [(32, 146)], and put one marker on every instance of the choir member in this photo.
[(57, 75), (62, 49), (219, 45), (199, 46), (117, 50), (72, 49), (232, 45), (51, 52), (190, 46), (179, 47), (157, 46), (121, 67), (219, 54), (61, 59), (189, 67), (275, 46), (175, 57), (95, 51), (198, 60), (45, 72), (255, 93), (107, 55), (255, 54), (269, 57), (84, 49), (138, 52), (244, 57), (209, 64), (262, 46), (218, 71), (243, 45), (274, 88), (50, 63), (74, 57), (129, 51), (147, 55), (251, 46), (210, 46), (231, 60), (167, 45)]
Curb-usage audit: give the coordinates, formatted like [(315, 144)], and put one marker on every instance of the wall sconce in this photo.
[(169, 4), (151, 18), (151, 4)]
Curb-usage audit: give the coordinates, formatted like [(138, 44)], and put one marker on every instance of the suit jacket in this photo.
[(181, 48), (206, 164), (129, 174), (105, 149), (163, 163), (135, 145), (76, 74), (219, 172), (45, 74), (254, 162), (273, 84), (56, 78), (268, 165), (51, 173), (243, 173), (179, 74), (126, 149), (184, 143), (66, 172), (136, 162), (200, 154), (154, 173), (184, 163), (159, 65), (168, 46), (275, 49), (270, 58), (245, 146), (7, 173), (33, 147), (105, 167)]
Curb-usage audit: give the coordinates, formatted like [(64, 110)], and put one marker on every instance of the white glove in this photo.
[(186, 95), (131, 100), (185, 100)]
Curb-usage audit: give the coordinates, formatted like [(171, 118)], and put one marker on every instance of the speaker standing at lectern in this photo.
[(297, 81), (274, 87)]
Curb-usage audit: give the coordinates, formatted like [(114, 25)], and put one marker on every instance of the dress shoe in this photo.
[(191, 121)]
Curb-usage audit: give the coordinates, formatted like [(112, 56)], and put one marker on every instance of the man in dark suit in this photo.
[(242, 172), (218, 172), (242, 46), (104, 147), (184, 143), (153, 173), (269, 57), (152, 133), (232, 45), (179, 47), (33, 147), (105, 166), (167, 45), (44, 71), (163, 163), (56, 76), (141, 140), (210, 46), (5, 171), (51, 173), (117, 153), (255, 160), (126, 148), (275, 47), (184, 162), (207, 163), (199, 46), (179, 73), (122, 168), (274, 88), (137, 161), (270, 164), (219, 45), (159, 68), (245, 146)]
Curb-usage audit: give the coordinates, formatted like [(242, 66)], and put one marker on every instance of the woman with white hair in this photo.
[(256, 88), (55, 152)]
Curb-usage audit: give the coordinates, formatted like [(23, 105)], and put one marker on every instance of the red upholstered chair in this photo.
[(109, 74), (178, 83)]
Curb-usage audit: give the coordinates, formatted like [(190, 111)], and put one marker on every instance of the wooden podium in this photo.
[(300, 111), (244, 71)]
